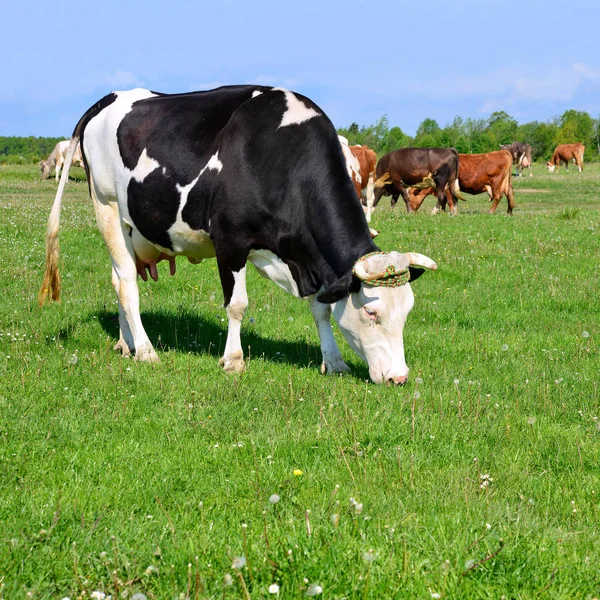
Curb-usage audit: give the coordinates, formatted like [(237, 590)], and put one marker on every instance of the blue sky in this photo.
[(357, 59)]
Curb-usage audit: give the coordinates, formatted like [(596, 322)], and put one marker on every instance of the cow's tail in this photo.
[(382, 181), (51, 285)]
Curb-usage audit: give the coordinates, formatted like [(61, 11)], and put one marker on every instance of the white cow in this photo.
[(57, 159)]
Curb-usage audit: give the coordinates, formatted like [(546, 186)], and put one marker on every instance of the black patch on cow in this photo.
[(415, 273), (153, 206), (339, 289)]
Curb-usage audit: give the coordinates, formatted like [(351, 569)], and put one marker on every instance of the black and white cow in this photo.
[(240, 173)]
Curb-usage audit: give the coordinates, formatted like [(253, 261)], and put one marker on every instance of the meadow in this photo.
[(478, 479)]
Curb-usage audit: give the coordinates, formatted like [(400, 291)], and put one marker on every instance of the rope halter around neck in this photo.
[(390, 277)]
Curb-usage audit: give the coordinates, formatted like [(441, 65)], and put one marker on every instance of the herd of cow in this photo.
[(258, 174), (415, 173)]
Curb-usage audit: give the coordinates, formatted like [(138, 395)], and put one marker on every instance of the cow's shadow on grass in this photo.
[(188, 332)]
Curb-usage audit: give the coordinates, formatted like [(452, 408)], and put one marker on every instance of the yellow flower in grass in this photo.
[(297, 472)]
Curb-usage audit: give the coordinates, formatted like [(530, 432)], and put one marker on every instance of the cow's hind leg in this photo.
[(132, 336), (332, 357), (236, 303)]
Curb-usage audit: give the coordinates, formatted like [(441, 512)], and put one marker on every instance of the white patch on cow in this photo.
[(269, 265), (144, 167), (256, 93), (213, 163), (193, 243), (296, 112), (101, 147)]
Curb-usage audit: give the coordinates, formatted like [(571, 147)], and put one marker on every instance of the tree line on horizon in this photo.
[(474, 136), (468, 136)]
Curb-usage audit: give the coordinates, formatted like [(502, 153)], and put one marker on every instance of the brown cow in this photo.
[(566, 153), (478, 173), (411, 167)]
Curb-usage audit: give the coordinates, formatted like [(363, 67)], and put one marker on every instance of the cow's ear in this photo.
[(415, 273), (339, 289)]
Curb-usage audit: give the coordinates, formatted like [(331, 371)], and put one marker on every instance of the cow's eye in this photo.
[(372, 314)]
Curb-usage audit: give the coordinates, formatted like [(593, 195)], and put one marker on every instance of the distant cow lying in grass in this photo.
[(565, 153), (57, 159), (478, 173)]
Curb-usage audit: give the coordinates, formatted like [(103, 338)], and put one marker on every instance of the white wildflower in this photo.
[(273, 589), (314, 589), (239, 562), (585, 334), (274, 498), (227, 579)]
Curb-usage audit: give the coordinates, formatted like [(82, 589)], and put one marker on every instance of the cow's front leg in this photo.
[(332, 357), (236, 303)]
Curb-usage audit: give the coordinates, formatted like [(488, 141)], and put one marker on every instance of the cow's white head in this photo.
[(550, 166), (371, 305)]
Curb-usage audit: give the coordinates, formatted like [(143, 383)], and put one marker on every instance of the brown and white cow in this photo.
[(57, 159), (478, 173), (565, 153), (361, 163), (399, 170)]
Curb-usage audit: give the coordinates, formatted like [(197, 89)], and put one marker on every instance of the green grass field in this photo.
[(478, 479)]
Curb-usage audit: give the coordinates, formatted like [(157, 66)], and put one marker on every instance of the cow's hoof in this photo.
[(331, 366), (123, 347), (234, 363), (435, 210), (148, 355)]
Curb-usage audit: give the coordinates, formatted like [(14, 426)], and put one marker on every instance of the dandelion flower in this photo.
[(227, 579), (504, 347), (96, 595), (274, 498), (239, 562), (456, 381), (419, 380), (139, 596), (297, 472), (369, 555), (585, 334), (273, 589), (314, 589)]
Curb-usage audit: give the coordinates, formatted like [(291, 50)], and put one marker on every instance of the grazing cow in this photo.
[(240, 173), (478, 173), (565, 153), (417, 167), (521, 156), (57, 159)]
